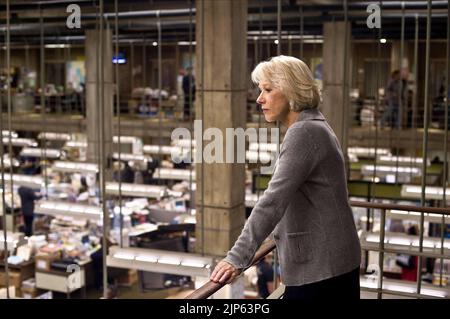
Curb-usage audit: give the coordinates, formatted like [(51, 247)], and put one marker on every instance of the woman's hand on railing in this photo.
[(224, 273)]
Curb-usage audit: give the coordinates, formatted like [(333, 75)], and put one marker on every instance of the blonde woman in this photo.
[(305, 206)]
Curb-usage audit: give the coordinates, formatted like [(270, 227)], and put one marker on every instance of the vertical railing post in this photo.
[(381, 253), (444, 182), (425, 143)]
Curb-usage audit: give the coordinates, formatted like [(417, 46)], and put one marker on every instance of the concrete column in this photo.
[(92, 105), (334, 109), (221, 59)]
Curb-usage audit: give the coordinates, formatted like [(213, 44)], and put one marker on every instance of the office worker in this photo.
[(305, 206), (27, 198)]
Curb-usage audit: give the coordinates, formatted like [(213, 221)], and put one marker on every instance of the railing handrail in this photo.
[(211, 287), (420, 209)]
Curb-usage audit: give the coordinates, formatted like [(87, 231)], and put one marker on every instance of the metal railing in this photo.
[(211, 287), (381, 249)]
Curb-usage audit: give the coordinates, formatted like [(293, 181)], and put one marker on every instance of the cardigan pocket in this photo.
[(299, 247)]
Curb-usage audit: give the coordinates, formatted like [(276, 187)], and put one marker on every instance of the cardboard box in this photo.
[(29, 284), (14, 279), (29, 293), (129, 278), (43, 261)]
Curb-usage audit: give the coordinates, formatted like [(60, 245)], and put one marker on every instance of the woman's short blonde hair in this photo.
[(293, 77)]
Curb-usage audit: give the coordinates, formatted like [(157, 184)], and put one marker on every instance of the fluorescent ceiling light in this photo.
[(192, 263), (161, 261), (401, 160), (7, 161), (255, 156), (69, 209), (25, 180), (284, 35), (412, 215), (399, 241), (186, 43), (166, 150), (75, 167), (169, 261), (126, 139), (15, 141), (174, 174), (403, 286), (78, 144), (368, 152), (405, 240), (138, 190), (272, 147), (126, 211), (383, 170), (148, 259), (124, 256), (57, 46), (431, 192), (131, 157), (426, 243), (54, 136), (38, 152), (5, 133)]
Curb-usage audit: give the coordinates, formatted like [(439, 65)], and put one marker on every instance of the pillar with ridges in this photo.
[(336, 111), (93, 111), (222, 89)]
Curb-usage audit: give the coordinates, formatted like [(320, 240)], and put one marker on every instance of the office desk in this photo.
[(63, 281), (25, 268)]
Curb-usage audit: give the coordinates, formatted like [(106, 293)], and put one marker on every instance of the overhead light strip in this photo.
[(69, 209), (38, 152), (136, 190), (174, 174), (161, 261), (404, 287), (75, 167), (54, 136)]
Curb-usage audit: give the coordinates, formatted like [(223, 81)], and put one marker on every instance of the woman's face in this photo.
[(274, 104)]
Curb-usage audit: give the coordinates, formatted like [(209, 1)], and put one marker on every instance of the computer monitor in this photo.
[(176, 204), (179, 205), (119, 59)]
